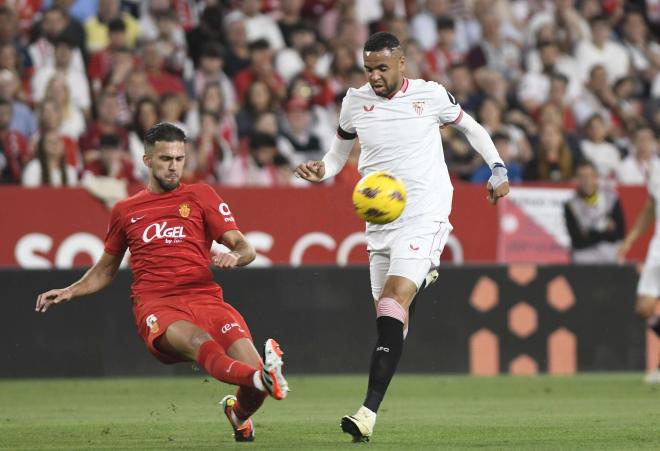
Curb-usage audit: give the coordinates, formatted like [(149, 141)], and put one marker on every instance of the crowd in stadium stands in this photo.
[(257, 84)]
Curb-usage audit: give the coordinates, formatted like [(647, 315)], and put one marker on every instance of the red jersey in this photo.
[(170, 236)]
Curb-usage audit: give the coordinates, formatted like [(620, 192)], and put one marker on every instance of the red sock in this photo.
[(222, 367), (248, 400)]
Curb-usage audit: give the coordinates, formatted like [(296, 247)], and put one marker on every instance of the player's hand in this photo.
[(312, 171), (623, 250), (226, 260), (495, 194), (52, 297)]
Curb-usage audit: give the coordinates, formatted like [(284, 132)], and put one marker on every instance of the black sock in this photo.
[(384, 360), (413, 304), (654, 324)]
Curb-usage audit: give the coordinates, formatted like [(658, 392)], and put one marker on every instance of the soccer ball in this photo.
[(379, 197)]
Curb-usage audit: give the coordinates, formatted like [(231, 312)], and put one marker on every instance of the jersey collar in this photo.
[(404, 87)]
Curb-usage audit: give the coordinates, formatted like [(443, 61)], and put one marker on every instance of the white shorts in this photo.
[(410, 251), (649, 280)]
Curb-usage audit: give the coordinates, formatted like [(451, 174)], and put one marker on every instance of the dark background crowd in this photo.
[(257, 84)]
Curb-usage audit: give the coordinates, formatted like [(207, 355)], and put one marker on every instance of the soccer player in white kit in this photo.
[(398, 123), (648, 287)]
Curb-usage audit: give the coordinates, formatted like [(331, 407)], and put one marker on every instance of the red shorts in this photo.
[(222, 321)]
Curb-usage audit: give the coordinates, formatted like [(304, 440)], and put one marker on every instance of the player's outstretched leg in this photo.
[(430, 279), (243, 428), (645, 308), (384, 360)]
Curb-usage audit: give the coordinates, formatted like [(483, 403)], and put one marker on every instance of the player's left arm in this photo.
[(478, 137), (241, 251)]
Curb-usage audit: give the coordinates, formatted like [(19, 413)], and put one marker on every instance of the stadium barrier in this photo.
[(64, 228), (485, 320)]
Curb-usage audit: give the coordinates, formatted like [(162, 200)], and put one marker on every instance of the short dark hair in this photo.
[(381, 41), (259, 44), (444, 23), (259, 140), (109, 141), (212, 50), (116, 24), (164, 131), (585, 162)]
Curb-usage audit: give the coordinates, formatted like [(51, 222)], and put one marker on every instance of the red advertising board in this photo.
[(45, 227)]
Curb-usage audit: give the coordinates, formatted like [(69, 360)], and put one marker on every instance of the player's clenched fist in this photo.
[(57, 296), (312, 171), (225, 260)]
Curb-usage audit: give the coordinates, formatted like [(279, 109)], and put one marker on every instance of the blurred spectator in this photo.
[(297, 140), (388, 12), (416, 64), (210, 70), (513, 167), (322, 92), (261, 26), (494, 50), (113, 161), (238, 50), (289, 61), (461, 85), (172, 42), (597, 98), (424, 24), (76, 79), (568, 24), (42, 50), (96, 27), (212, 154), (644, 53), (147, 114), (105, 124), (211, 101), (73, 120), (343, 63), (50, 119), (259, 99), (628, 105), (14, 150), (135, 87), (210, 30), (49, 167), (595, 147), (445, 53), (22, 120), (601, 50), (290, 19), (103, 62), (594, 219), (11, 39), (73, 27), (80, 9), (262, 166), (261, 68), (634, 169), (172, 109), (553, 161), (153, 63), (489, 115)]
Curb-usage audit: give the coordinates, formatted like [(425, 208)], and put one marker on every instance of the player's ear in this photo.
[(402, 63), (146, 159)]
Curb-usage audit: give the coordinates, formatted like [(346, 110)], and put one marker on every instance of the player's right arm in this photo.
[(98, 277), (340, 149), (644, 219)]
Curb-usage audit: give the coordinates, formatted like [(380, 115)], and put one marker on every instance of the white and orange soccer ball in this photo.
[(379, 197)]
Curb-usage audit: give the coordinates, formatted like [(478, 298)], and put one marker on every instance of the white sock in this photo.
[(256, 380), (367, 412)]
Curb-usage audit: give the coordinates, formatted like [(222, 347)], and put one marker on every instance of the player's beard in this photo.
[(387, 89), (166, 185)]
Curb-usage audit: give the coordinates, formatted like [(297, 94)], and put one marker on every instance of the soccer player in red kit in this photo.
[(178, 307)]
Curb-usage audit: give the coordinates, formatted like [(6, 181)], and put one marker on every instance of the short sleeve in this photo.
[(346, 129), (218, 217), (449, 111), (115, 240)]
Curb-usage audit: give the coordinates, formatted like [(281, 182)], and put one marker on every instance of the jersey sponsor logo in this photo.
[(172, 235), (184, 210), (368, 109), (224, 210), (413, 247), (134, 219), (418, 105), (152, 324), (229, 326)]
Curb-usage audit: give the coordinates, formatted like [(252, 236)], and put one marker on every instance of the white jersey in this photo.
[(653, 254), (401, 135)]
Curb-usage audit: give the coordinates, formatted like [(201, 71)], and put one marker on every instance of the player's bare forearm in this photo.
[(242, 252), (95, 279)]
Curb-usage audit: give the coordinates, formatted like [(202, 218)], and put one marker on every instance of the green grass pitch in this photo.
[(599, 412)]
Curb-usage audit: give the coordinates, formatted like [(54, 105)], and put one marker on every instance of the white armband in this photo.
[(336, 157)]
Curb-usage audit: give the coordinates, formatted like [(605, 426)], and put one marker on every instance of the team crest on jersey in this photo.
[(418, 105), (184, 210)]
